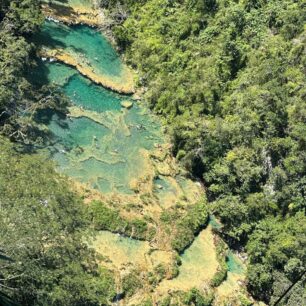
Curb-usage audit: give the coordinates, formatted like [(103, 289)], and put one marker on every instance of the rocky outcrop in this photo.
[(125, 85)]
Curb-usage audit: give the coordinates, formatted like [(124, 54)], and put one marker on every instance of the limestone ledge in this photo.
[(126, 86), (106, 119), (73, 15)]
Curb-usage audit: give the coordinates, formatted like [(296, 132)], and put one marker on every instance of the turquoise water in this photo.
[(85, 43), (101, 146), (106, 156), (234, 265), (90, 96), (214, 222)]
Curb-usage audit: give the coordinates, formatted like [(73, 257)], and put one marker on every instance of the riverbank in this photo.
[(73, 12), (124, 86), (144, 209)]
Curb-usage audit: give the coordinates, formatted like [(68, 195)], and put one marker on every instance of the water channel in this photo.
[(101, 143)]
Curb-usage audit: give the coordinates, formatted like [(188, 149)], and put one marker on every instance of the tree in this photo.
[(42, 229)]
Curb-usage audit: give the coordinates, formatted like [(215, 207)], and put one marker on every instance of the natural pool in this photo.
[(199, 264), (107, 155), (121, 251), (84, 48), (101, 143), (83, 42)]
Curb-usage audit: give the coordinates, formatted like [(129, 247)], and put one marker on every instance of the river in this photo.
[(111, 143)]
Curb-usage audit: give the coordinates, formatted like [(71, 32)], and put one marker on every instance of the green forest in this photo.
[(227, 78), (43, 259)]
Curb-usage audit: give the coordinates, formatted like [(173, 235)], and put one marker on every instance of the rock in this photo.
[(127, 104), (137, 97), (164, 169)]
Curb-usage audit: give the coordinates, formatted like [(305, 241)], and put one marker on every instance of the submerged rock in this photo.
[(127, 104)]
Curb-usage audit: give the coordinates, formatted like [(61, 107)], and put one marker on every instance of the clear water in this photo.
[(121, 250), (199, 264), (105, 156), (84, 43), (234, 265), (102, 145)]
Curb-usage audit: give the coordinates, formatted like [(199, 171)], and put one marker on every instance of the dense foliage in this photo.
[(106, 218), (19, 100), (184, 223), (43, 257), (229, 79), (42, 229)]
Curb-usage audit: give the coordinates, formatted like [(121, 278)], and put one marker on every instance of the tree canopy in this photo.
[(19, 99), (42, 231), (228, 77)]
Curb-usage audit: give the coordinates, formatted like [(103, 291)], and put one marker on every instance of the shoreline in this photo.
[(126, 87), (74, 15)]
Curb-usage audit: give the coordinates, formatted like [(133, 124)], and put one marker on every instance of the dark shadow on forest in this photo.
[(62, 10)]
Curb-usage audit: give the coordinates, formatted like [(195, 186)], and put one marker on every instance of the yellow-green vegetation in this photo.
[(191, 297), (221, 252), (228, 78), (131, 283), (183, 223), (105, 218)]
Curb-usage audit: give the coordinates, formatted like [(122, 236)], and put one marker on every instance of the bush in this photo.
[(221, 274), (190, 225), (106, 218), (131, 283), (196, 298)]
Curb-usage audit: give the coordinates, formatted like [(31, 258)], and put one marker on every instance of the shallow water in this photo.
[(103, 144), (234, 264), (199, 264), (121, 250), (105, 155), (84, 43)]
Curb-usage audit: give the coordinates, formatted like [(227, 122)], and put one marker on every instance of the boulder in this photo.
[(127, 104)]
